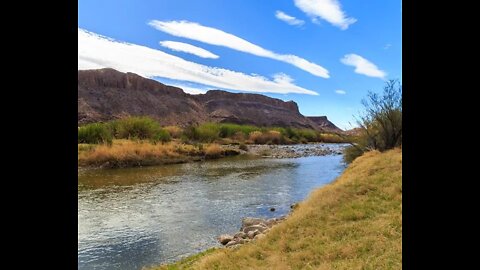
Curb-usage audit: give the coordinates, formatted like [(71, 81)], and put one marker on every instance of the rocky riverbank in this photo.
[(293, 151), (252, 229), (126, 153)]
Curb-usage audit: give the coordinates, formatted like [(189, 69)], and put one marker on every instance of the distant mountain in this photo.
[(324, 123), (107, 94)]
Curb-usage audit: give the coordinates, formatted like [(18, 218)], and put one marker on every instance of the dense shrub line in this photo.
[(146, 128)]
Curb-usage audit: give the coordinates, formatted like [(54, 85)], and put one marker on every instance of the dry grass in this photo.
[(353, 223), (270, 136), (174, 131), (125, 153), (331, 138), (213, 151)]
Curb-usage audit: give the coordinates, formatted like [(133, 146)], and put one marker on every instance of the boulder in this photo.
[(249, 221), (240, 235), (251, 234), (231, 243), (224, 239), (244, 241), (258, 227)]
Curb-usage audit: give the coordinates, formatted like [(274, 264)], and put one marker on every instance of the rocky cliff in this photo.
[(107, 94)]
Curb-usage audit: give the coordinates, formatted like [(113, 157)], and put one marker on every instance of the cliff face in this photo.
[(252, 109), (107, 94)]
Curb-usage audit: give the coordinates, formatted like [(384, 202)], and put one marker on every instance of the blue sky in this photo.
[(301, 50)]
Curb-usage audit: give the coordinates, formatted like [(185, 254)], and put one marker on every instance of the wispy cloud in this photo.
[(329, 10), (282, 16), (189, 89), (387, 46), (363, 66), (187, 48), (218, 37), (340, 92), (96, 51)]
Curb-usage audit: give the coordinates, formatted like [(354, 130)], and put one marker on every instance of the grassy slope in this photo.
[(353, 223)]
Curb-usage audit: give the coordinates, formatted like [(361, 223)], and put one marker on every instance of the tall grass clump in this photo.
[(227, 130), (213, 151), (174, 131), (309, 134), (208, 132), (95, 133), (161, 135), (268, 137), (138, 127)]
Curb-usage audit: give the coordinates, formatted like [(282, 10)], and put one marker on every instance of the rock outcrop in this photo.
[(324, 123)]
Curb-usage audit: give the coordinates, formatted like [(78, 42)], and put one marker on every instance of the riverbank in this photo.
[(128, 153), (355, 222)]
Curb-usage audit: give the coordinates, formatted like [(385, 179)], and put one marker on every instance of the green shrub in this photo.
[(95, 133), (190, 133), (309, 134), (292, 134), (136, 128), (227, 130), (161, 136), (208, 132)]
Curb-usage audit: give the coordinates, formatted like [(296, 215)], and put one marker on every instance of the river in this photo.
[(136, 217)]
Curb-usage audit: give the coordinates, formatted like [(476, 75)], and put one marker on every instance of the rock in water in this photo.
[(224, 239), (272, 209)]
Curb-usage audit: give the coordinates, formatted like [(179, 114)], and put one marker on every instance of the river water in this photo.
[(136, 217)]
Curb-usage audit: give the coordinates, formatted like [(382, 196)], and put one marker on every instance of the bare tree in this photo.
[(381, 122)]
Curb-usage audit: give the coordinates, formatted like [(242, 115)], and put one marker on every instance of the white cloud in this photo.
[(189, 89), (218, 37), (387, 46), (363, 66), (95, 51), (329, 10), (187, 48), (288, 19), (340, 92)]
